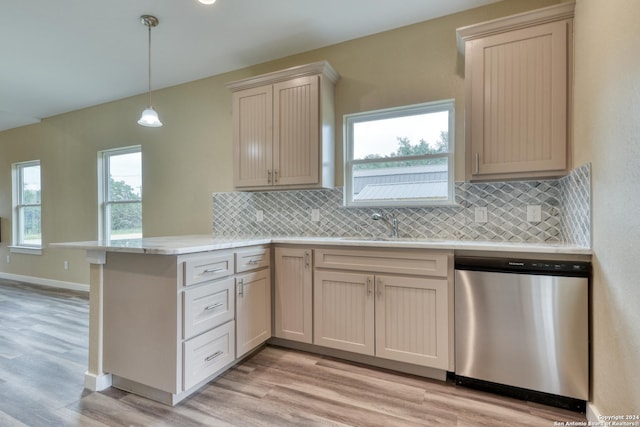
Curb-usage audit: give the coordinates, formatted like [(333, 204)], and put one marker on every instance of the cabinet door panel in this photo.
[(253, 136), (293, 293), (344, 311), (296, 131), (253, 311), (412, 320), (518, 109)]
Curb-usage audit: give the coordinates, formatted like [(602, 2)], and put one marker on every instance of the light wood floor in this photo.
[(43, 356)]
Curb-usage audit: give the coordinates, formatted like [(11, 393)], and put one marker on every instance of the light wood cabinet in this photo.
[(518, 75), (293, 293), (283, 125), (172, 323), (253, 298), (253, 310), (364, 304)]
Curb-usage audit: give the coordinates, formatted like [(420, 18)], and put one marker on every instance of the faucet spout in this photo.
[(391, 221)]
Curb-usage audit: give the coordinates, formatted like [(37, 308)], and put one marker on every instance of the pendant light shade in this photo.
[(149, 117)]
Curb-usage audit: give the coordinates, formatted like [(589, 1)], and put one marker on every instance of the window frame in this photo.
[(395, 112), (18, 243), (104, 205)]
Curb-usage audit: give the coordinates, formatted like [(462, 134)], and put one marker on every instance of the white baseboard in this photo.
[(593, 415), (45, 282), (95, 382)]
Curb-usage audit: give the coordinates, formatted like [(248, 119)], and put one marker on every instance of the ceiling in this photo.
[(63, 55)]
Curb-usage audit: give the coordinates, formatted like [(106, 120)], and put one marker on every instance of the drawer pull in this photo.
[(213, 270), (254, 261), (213, 356), (213, 307)]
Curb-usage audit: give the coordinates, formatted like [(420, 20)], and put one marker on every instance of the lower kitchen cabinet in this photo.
[(393, 316), (412, 320), (293, 293), (253, 310), (344, 311)]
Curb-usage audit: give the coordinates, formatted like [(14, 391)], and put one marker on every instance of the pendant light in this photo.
[(149, 116)]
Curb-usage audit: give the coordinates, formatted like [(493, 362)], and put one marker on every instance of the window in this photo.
[(120, 193), (400, 156), (27, 230)]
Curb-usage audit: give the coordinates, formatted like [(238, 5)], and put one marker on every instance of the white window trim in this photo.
[(430, 107), (103, 184), (17, 177)]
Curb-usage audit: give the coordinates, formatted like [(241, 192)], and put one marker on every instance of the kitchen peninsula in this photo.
[(168, 314)]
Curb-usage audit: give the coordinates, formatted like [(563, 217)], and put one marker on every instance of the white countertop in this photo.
[(178, 245)]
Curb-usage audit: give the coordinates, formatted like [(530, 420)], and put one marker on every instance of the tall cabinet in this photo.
[(518, 75), (283, 129)]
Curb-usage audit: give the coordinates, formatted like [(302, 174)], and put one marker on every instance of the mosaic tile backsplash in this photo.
[(565, 207)]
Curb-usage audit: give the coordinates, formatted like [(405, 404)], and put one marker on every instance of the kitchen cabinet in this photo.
[(253, 300), (388, 304), (175, 322), (518, 75), (283, 129), (293, 293)]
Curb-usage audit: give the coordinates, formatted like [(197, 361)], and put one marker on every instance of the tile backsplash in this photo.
[(565, 205)]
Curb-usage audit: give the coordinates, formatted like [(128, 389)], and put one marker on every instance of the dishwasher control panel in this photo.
[(530, 266)]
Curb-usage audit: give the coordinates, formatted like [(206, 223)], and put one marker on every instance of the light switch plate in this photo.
[(259, 215), (534, 213), (315, 215), (481, 214)]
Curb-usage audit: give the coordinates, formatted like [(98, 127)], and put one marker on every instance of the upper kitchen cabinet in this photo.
[(283, 129), (518, 74)]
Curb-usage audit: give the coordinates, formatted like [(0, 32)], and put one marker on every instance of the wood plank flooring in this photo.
[(43, 357)]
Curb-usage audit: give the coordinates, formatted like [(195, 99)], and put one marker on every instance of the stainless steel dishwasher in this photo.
[(522, 328)]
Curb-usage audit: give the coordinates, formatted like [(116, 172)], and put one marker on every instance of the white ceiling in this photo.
[(62, 55)]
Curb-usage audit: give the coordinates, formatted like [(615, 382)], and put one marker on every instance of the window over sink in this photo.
[(400, 156)]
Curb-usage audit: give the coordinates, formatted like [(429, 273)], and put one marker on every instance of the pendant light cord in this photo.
[(149, 51)]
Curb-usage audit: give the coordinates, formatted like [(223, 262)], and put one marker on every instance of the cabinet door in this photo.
[(517, 114), (296, 131), (344, 311), (253, 136), (293, 294), (412, 320), (253, 310)]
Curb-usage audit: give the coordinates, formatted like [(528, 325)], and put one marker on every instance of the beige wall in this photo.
[(607, 133), (190, 157)]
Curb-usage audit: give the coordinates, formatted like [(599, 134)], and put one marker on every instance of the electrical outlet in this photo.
[(66, 265), (481, 214), (534, 213), (315, 215), (259, 215), (8, 259)]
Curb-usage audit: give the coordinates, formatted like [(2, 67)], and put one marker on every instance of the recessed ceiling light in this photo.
[(207, 1)]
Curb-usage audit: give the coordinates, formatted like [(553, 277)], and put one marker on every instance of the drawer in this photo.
[(252, 259), (208, 306), (209, 266), (420, 263), (207, 354)]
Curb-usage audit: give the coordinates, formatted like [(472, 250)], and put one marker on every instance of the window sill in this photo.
[(29, 250)]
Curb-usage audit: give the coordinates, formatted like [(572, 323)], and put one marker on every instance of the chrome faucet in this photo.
[(390, 221)]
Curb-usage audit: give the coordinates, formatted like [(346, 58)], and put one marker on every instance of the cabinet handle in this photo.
[(306, 260), (269, 176), (477, 162), (213, 356), (379, 287), (241, 287), (275, 176), (253, 261), (368, 286), (213, 270), (213, 307)]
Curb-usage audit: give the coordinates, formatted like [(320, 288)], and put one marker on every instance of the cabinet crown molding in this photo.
[(514, 22), (315, 68)]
